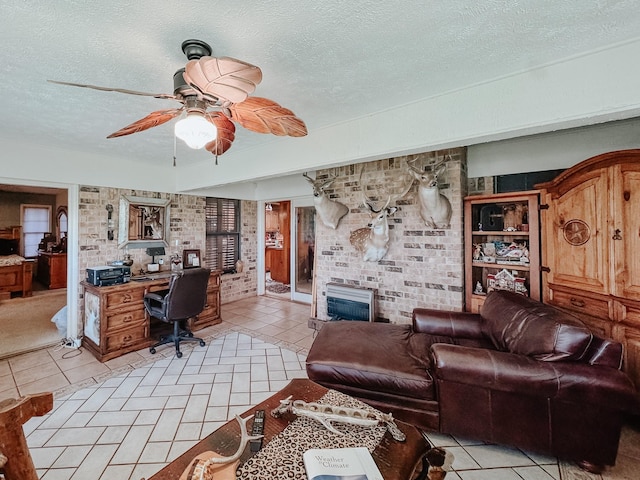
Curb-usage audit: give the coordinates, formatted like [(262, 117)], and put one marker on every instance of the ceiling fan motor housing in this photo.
[(195, 49)]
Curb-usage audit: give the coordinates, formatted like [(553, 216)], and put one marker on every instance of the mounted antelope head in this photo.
[(373, 240), (435, 208), (329, 211)]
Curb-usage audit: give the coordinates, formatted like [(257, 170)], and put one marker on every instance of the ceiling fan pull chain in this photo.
[(174, 150)]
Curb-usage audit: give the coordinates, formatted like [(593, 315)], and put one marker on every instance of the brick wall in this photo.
[(236, 286), (423, 267), (187, 227)]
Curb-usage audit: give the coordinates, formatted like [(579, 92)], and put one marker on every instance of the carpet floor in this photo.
[(26, 322)]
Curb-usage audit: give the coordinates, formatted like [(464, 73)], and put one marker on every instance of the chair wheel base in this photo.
[(179, 354), (202, 344), (152, 350)]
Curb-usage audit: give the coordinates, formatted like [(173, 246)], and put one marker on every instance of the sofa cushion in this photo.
[(378, 357), (517, 324)]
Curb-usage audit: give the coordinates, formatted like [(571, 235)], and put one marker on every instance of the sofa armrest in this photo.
[(508, 372), (447, 324)]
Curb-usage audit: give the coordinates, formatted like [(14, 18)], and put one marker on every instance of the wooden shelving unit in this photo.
[(502, 245)]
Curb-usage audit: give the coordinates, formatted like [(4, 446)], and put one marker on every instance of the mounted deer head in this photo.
[(329, 211), (373, 240), (435, 208)]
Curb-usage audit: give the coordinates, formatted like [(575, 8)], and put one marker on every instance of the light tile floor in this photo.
[(127, 418)]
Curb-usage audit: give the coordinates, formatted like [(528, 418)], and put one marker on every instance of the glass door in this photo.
[(303, 252)]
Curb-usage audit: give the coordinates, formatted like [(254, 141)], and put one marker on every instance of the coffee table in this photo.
[(396, 460)]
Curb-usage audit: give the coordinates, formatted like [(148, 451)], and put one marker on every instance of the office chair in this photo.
[(185, 298)]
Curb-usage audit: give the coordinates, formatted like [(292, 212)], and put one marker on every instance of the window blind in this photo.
[(36, 221), (223, 233)]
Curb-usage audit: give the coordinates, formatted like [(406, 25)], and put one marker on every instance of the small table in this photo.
[(396, 460)]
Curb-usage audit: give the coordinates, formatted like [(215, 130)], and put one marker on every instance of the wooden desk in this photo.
[(116, 322), (396, 460)]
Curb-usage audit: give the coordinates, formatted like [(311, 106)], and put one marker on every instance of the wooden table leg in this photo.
[(18, 464)]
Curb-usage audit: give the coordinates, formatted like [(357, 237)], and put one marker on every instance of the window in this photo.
[(223, 234), (36, 221)]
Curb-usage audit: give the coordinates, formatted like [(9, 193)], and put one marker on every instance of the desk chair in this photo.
[(185, 298)]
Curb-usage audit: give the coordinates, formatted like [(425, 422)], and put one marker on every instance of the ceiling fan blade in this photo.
[(224, 77), (152, 120), (226, 133), (119, 90), (266, 116)]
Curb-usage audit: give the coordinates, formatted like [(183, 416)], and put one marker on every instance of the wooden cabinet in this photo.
[(52, 269), (591, 239), (271, 221), (116, 322), (278, 262), (502, 245)]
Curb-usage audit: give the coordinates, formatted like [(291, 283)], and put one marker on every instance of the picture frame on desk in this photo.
[(191, 259)]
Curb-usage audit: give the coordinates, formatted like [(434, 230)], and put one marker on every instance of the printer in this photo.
[(108, 275)]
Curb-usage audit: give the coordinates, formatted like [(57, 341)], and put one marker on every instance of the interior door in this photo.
[(303, 234)]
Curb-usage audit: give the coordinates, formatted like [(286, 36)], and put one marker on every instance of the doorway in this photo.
[(278, 249), (304, 253), (38, 320), (289, 249)]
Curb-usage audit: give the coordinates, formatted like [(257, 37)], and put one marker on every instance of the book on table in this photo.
[(354, 463)]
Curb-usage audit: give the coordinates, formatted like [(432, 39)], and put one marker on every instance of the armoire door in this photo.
[(575, 227), (625, 231)]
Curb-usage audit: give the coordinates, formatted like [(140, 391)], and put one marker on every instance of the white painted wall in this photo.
[(551, 151)]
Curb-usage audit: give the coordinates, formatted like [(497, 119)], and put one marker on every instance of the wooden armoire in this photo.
[(590, 221)]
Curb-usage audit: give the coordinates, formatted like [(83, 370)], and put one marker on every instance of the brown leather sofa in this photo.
[(520, 373)]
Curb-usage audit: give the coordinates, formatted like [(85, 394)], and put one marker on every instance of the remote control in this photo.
[(257, 429)]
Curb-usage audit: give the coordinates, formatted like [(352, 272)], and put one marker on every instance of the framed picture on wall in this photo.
[(191, 258)]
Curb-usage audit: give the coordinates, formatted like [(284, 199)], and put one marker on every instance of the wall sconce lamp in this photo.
[(109, 208)]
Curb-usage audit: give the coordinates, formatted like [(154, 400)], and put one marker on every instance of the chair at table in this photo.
[(185, 298)]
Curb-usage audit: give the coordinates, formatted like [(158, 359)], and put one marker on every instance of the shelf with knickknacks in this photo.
[(502, 249)]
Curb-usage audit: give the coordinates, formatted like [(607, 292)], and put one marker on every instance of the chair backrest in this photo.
[(187, 293)]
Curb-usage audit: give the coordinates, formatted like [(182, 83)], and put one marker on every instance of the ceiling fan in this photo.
[(214, 92)]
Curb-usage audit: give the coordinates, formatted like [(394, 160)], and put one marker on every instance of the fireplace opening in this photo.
[(345, 302)]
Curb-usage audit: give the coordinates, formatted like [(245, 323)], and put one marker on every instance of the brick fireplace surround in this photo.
[(423, 267)]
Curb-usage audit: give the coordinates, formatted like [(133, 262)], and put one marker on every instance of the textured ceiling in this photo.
[(329, 61)]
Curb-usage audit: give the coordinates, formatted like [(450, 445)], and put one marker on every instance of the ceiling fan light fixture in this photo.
[(195, 130)]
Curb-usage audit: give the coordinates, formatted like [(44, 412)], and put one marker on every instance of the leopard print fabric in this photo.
[(281, 458)]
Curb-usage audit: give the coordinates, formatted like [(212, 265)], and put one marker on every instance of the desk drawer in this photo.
[(594, 307), (122, 298), (125, 319), (127, 338)]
